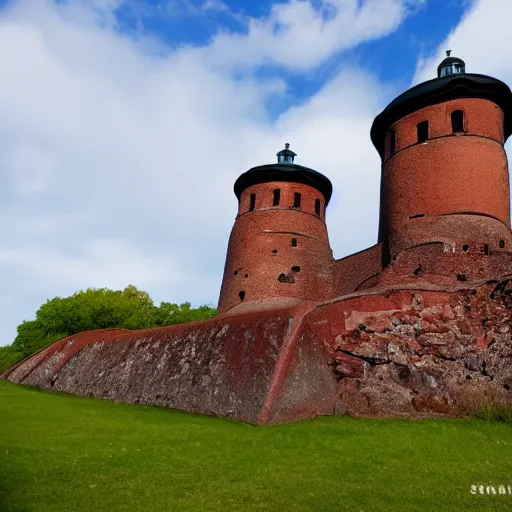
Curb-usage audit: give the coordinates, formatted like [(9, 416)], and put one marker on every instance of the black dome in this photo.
[(438, 90), (284, 172)]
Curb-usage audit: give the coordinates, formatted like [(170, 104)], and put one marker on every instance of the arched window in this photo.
[(457, 121), (422, 131), (277, 196), (252, 202), (317, 207), (296, 200)]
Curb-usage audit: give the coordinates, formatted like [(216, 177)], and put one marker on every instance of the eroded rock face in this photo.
[(427, 357)]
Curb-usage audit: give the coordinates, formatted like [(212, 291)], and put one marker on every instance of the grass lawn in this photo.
[(64, 453)]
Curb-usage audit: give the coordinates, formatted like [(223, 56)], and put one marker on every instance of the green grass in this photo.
[(64, 453)]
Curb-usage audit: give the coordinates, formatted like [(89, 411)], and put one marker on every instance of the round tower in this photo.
[(444, 168), (279, 247)]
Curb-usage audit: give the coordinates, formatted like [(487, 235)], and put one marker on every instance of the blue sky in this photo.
[(392, 58), (124, 124)]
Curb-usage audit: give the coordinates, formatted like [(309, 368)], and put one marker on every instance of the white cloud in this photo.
[(481, 39), (333, 131), (117, 167), (214, 5), (297, 36), (102, 263)]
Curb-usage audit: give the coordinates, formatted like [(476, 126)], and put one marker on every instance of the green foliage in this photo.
[(62, 453), (95, 309), (32, 337), (9, 356), (169, 314)]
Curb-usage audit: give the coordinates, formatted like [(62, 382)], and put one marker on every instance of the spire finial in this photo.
[(287, 146), (448, 52)]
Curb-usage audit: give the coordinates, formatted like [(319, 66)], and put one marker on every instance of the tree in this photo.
[(95, 308), (169, 314)]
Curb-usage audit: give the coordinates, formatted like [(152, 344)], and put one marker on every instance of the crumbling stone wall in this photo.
[(417, 353), (391, 352)]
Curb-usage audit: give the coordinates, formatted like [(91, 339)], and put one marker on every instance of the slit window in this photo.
[(294, 242), (252, 202), (457, 121), (486, 250), (277, 196), (317, 207), (422, 129), (296, 200), (242, 295), (502, 244), (392, 141)]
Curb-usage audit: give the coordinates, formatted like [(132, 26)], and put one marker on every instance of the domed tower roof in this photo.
[(284, 170), (452, 83)]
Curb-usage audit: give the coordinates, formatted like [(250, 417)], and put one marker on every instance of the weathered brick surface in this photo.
[(461, 173), (262, 260), (351, 272), (232, 367), (420, 352)]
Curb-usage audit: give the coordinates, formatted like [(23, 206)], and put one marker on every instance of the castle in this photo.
[(417, 325)]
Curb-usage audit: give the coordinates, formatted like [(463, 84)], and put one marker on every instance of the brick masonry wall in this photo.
[(447, 174), (351, 272), (264, 262)]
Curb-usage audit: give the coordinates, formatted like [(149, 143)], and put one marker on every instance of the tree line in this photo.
[(95, 308)]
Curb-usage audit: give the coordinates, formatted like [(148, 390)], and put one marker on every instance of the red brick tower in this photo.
[(445, 184), (279, 246)]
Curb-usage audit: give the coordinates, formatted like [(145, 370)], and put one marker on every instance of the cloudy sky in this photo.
[(124, 124)]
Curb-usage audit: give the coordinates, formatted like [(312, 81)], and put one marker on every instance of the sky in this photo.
[(125, 123)]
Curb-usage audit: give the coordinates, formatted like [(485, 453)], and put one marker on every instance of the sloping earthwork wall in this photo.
[(231, 367), (411, 352)]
